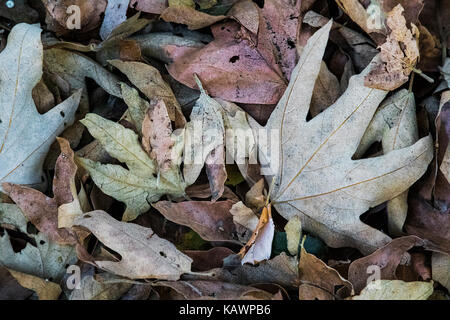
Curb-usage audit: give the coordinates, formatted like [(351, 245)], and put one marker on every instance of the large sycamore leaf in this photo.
[(25, 135), (316, 177), (144, 254)]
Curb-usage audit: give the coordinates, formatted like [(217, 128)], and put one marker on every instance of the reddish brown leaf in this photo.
[(212, 221), (386, 259), (207, 260)]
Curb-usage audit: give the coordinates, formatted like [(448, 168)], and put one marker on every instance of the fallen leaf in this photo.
[(399, 54), (386, 259), (92, 288), (254, 197), (316, 176), (22, 162), (259, 246), (115, 14), (395, 125), (143, 253), (244, 216), (293, 234), (45, 290), (212, 221), (326, 91), (44, 258), (207, 260), (41, 210), (396, 290), (149, 81), (229, 69), (319, 281), (281, 270), (215, 290), (137, 186), (440, 267), (60, 15), (189, 16), (10, 289)]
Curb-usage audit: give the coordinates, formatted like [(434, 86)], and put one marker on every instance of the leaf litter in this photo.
[(224, 150)]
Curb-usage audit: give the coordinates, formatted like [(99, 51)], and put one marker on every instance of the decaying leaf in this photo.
[(316, 177), (319, 281), (212, 221), (21, 163), (192, 18), (293, 234), (399, 54), (396, 290), (386, 259), (41, 210), (144, 254), (259, 246), (45, 290), (215, 290), (137, 186), (395, 125), (44, 258), (440, 266)]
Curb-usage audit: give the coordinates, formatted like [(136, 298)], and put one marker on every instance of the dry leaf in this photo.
[(22, 161), (144, 254), (396, 290), (192, 18), (316, 177), (319, 281), (259, 246), (399, 54), (212, 221), (386, 259)]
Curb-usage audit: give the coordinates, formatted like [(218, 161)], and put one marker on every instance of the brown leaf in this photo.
[(259, 246), (319, 281), (59, 16), (216, 172), (149, 81), (429, 209), (212, 221), (386, 259), (207, 260), (41, 210), (203, 191), (281, 270), (192, 18), (215, 290), (399, 54), (10, 289), (156, 135), (230, 69), (153, 6)]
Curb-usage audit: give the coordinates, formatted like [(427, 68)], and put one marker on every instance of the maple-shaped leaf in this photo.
[(316, 177), (140, 184), (26, 135)]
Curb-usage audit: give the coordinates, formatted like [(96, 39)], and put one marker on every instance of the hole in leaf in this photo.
[(234, 59)]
